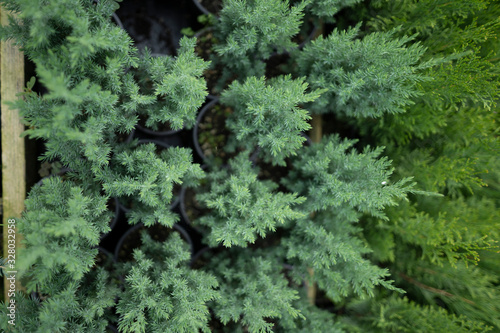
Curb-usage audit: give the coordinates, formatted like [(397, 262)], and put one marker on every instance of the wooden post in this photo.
[(13, 159), (316, 133)]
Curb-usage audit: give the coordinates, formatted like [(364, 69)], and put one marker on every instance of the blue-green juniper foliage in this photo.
[(344, 217)]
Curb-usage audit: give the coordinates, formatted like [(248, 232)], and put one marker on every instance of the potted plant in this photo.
[(249, 32), (241, 207), (259, 107), (331, 248)]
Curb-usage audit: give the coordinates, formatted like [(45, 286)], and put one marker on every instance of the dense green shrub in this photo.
[(161, 293), (267, 115), (363, 78), (250, 31), (243, 207), (352, 221), (447, 141)]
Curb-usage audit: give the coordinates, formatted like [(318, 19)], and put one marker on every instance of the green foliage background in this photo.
[(396, 222)]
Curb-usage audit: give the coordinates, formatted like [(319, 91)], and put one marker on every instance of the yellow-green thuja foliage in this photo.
[(443, 251)]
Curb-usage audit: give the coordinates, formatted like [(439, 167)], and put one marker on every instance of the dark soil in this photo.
[(274, 173), (307, 32), (111, 329), (277, 65), (149, 31), (213, 134), (193, 208), (203, 257), (323, 302), (204, 49), (272, 239), (104, 260), (50, 168), (204, 41), (176, 192), (122, 137), (113, 209)]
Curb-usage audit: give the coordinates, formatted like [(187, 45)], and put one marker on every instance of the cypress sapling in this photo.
[(254, 292), (316, 319), (249, 31), (364, 78), (326, 9), (330, 175), (79, 306), (59, 218), (162, 294), (174, 85), (243, 207), (267, 115), (148, 177), (401, 315), (327, 243)]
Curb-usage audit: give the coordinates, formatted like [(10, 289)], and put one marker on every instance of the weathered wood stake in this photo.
[(13, 158)]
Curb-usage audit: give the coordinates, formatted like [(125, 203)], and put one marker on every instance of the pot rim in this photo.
[(146, 130), (185, 235), (202, 8), (202, 112)]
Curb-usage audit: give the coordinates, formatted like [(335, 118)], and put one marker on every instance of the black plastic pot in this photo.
[(148, 131), (128, 138), (131, 239), (147, 29), (115, 17), (111, 329), (117, 20), (204, 10), (196, 129), (188, 195), (198, 260), (104, 259), (215, 131), (312, 34), (61, 173), (156, 24)]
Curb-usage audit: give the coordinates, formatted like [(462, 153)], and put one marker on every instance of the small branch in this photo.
[(316, 131), (434, 290), (311, 289)]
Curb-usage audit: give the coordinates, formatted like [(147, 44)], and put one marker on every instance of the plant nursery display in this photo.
[(294, 166)]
